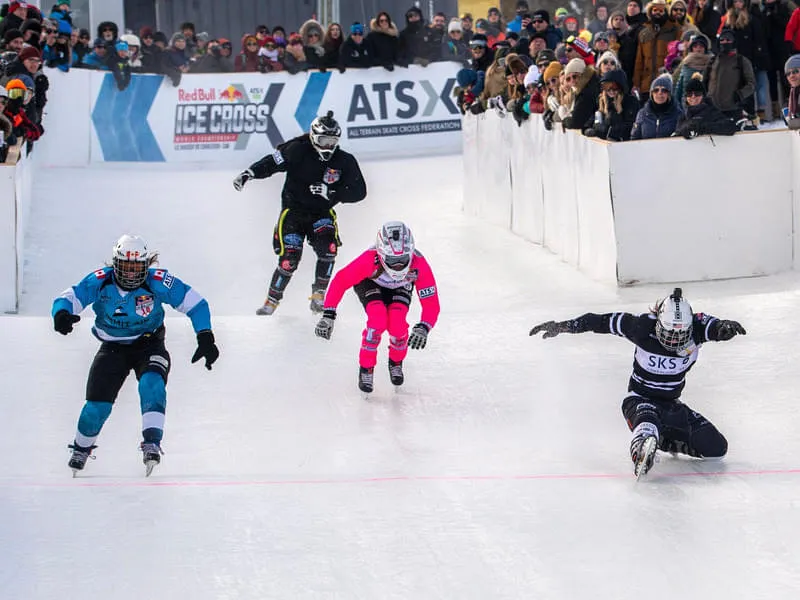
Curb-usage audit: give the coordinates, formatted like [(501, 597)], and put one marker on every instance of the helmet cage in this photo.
[(130, 261), (674, 324), (395, 247)]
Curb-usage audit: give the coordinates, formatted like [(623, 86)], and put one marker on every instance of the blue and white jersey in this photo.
[(124, 316)]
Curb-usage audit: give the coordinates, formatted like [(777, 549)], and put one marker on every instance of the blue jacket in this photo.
[(650, 124), (124, 317)]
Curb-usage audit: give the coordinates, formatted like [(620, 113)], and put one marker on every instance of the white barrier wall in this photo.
[(236, 118), (646, 211), (15, 196)]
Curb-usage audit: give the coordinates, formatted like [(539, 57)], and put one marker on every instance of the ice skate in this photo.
[(79, 457), (643, 453), (365, 377), (151, 455), (317, 297), (268, 308), (396, 373)]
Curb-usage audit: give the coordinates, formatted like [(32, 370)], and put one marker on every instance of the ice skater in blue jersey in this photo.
[(128, 300)]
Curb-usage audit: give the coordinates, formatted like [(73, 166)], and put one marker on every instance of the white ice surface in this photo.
[(500, 470)]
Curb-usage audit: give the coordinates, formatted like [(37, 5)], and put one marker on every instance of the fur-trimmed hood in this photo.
[(696, 61), (309, 26), (373, 26)]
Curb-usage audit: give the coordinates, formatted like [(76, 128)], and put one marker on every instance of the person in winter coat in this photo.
[(481, 57), (617, 106), (775, 19), (731, 80), (654, 39), (701, 116), (17, 15), (413, 40), (750, 43), (791, 36), (629, 40), (217, 58), (118, 65), (249, 60), (469, 85), (311, 32), (355, 53), (134, 52), (706, 18), (540, 21), (384, 41), (59, 55), (332, 45), (586, 91), (454, 48), (792, 70), (295, 57), (270, 54), (109, 33), (606, 62), (678, 12), (659, 116), (696, 61), (18, 96)]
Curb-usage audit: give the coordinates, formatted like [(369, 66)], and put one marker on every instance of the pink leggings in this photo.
[(380, 318)]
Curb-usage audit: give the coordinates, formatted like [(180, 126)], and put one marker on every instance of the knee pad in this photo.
[(152, 392), (93, 417), (289, 261), (638, 410)]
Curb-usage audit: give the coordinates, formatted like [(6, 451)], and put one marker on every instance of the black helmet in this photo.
[(325, 133)]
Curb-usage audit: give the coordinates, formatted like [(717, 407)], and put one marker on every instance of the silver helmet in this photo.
[(395, 246), (325, 133), (674, 322)]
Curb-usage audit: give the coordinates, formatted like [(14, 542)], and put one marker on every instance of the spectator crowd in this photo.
[(637, 71), (684, 68)]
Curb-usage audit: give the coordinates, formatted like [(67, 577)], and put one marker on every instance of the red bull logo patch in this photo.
[(331, 176)]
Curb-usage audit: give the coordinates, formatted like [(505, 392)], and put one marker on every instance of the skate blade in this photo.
[(149, 466), (648, 458), (74, 473)]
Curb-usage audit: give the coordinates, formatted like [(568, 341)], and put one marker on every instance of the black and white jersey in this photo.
[(657, 372)]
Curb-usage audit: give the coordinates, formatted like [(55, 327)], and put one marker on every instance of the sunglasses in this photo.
[(537, 21), (608, 62), (107, 29), (569, 49), (552, 80), (270, 46), (571, 77), (658, 11), (296, 43), (660, 90), (678, 10), (313, 34), (251, 44), (694, 94), (383, 20), (793, 72), (49, 31)]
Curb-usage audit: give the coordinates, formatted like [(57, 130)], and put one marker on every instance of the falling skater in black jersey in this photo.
[(668, 341)]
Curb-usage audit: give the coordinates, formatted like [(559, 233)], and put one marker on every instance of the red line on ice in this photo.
[(400, 478)]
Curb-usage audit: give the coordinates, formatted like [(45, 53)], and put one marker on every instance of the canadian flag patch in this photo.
[(100, 274), (158, 275)]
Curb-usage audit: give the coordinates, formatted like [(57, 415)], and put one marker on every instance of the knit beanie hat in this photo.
[(454, 25), (466, 77), (664, 81), (580, 46), (532, 76), (576, 65), (553, 70), (695, 84), (357, 28), (29, 52), (609, 55), (792, 63)]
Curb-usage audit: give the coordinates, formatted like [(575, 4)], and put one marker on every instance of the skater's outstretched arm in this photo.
[(72, 301), (277, 162), (622, 324)]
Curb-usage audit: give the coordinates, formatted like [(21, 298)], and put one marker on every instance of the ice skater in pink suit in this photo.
[(384, 278)]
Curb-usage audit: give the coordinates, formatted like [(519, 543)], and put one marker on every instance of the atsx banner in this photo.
[(209, 118)]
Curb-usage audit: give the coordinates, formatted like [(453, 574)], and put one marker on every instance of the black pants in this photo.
[(294, 227), (114, 361), (682, 429), (369, 291)]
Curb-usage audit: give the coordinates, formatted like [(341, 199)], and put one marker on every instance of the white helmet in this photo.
[(325, 133), (674, 324), (395, 246), (131, 259)]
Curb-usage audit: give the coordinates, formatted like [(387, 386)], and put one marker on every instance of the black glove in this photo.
[(476, 108), (551, 328), (324, 328), (389, 67), (591, 132), (727, 329), (419, 336), (206, 348), (63, 321), (342, 69)]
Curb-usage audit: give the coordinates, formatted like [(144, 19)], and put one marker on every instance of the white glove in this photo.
[(319, 189), (242, 178)]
